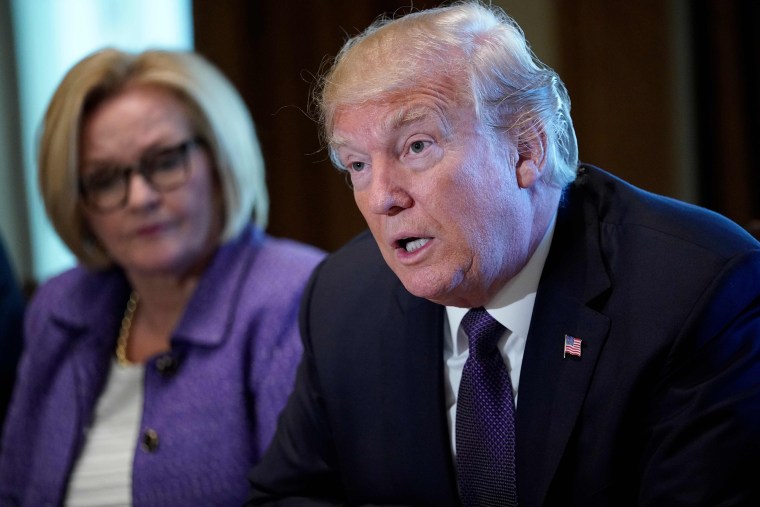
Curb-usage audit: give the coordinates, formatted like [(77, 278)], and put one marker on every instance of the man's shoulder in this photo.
[(360, 255), (632, 212), (355, 272)]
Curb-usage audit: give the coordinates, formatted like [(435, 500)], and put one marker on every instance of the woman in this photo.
[(154, 373)]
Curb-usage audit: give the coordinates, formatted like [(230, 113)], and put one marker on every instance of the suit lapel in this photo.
[(552, 390), (415, 382), (553, 386)]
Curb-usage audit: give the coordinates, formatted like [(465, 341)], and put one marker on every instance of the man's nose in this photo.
[(388, 192)]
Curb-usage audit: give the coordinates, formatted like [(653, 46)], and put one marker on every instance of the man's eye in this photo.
[(417, 146), (357, 166)]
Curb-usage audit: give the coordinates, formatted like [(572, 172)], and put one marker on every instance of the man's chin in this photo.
[(427, 287)]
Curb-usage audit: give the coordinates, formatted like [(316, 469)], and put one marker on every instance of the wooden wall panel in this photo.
[(616, 63)]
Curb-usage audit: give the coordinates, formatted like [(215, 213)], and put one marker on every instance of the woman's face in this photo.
[(156, 232)]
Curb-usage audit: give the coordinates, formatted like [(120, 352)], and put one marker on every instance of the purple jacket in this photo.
[(213, 400)]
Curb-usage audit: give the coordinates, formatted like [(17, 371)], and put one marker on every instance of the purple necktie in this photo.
[(485, 423)]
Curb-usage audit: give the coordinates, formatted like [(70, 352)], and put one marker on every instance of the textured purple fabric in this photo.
[(214, 409), (485, 424)]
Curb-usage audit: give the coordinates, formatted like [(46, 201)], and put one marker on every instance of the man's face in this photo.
[(446, 205)]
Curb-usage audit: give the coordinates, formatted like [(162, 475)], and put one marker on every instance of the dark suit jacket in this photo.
[(11, 342), (662, 407)]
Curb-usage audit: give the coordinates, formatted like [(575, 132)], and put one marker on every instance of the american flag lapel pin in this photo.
[(572, 346)]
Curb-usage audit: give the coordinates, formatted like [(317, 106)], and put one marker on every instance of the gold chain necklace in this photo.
[(126, 325)]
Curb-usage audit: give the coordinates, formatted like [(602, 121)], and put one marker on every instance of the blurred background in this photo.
[(665, 94)]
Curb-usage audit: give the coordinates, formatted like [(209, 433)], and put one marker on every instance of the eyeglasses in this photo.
[(107, 189)]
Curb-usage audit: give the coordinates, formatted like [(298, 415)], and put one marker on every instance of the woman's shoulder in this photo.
[(282, 255), (58, 286), (74, 292), (78, 280), (275, 269), (289, 252)]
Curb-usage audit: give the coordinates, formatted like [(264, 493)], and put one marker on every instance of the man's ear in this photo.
[(531, 151)]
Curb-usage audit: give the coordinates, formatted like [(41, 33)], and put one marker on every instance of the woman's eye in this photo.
[(357, 166), (103, 179), (417, 146)]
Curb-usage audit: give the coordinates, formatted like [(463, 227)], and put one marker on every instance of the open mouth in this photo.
[(412, 244)]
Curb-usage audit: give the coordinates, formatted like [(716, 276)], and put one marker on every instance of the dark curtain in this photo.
[(272, 51), (615, 63), (617, 60), (727, 62)]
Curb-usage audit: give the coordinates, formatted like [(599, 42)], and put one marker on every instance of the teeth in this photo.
[(416, 244)]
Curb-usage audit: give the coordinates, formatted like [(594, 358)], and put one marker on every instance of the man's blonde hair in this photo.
[(478, 47)]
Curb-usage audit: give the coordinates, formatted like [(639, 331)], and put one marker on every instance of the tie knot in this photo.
[(482, 330)]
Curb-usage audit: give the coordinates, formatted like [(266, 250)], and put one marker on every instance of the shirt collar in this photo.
[(512, 306)]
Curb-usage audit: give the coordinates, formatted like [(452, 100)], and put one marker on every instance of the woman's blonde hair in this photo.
[(216, 112)]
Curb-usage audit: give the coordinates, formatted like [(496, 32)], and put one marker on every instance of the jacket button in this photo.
[(149, 440), (166, 365)]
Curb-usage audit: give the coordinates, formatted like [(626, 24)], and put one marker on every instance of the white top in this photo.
[(512, 307), (102, 475)]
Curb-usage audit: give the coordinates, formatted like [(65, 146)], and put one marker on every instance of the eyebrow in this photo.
[(403, 117), (410, 115), (153, 149)]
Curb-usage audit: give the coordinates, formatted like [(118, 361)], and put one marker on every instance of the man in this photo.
[(11, 322), (626, 325)]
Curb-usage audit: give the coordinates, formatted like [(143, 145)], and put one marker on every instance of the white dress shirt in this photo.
[(512, 307), (102, 475)]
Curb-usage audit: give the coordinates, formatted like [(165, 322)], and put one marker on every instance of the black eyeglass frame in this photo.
[(143, 168)]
